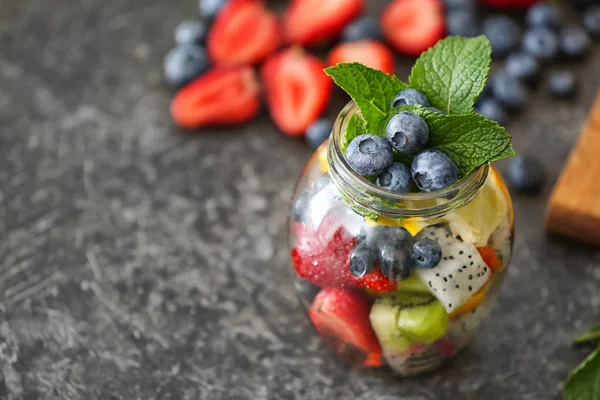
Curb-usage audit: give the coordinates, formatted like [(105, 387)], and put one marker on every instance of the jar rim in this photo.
[(343, 174)]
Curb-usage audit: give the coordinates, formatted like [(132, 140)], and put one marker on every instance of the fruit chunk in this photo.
[(413, 26), (490, 258), (407, 97), (184, 63), (433, 170), (369, 155), (460, 274), (407, 133), (244, 32), (342, 318), (426, 253), (297, 89), (223, 96), (471, 304), (396, 178), (309, 22), (424, 324), (371, 53)]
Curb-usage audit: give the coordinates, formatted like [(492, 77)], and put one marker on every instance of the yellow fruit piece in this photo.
[(323, 159), (410, 224), (470, 305)]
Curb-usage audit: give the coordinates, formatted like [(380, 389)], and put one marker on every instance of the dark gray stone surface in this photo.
[(138, 262)]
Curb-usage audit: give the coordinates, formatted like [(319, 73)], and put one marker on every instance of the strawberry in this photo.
[(341, 317), (222, 96), (309, 22), (322, 257), (413, 26), (297, 89), (510, 3), (245, 32), (368, 52)]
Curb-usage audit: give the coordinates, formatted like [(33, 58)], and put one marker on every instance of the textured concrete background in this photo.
[(137, 262)]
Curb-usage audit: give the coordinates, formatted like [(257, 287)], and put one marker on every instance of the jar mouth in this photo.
[(413, 204)]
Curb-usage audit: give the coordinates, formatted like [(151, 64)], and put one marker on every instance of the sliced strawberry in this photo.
[(491, 259), (308, 22), (376, 281), (413, 26), (222, 96), (297, 89), (245, 32), (368, 52), (341, 316), (510, 3)]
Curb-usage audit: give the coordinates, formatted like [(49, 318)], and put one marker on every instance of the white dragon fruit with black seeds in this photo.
[(461, 272)]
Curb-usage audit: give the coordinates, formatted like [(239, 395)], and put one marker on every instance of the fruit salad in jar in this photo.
[(401, 230)]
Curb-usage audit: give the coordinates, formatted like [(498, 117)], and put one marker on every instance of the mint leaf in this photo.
[(373, 91), (592, 335), (453, 73), (584, 381), (470, 140), (355, 127)]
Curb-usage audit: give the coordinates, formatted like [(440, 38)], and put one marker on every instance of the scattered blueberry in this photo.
[(503, 33), (544, 15), (362, 260), (433, 170), (318, 132), (426, 253), (541, 43), (409, 97), (523, 66), (562, 84), (462, 23), (574, 42), (392, 234), (460, 5), (407, 133), (210, 8), (395, 261), (396, 178), (369, 154), (194, 32), (525, 175), (184, 63), (509, 91), (591, 21), (364, 28), (490, 108)]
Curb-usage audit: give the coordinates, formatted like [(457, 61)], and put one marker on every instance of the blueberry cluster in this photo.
[(407, 134), (395, 251)]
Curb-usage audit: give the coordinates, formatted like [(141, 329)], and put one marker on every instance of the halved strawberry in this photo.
[(368, 52), (413, 26), (297, 89), (245, 32), (222, 96), (341, 317), (510, 3), (308, 22)]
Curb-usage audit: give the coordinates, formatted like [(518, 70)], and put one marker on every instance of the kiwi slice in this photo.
[(403, 318), (413, 285)]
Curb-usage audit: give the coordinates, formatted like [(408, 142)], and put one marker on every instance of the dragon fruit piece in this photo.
[(461, 272)]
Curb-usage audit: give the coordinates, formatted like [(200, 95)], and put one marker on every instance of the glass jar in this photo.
[(409, 324)]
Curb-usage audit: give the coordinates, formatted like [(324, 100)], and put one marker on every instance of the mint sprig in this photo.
[(453, 73), (584, 381), (356, 127)]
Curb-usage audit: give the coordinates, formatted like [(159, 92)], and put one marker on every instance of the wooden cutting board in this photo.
[(574, 207)]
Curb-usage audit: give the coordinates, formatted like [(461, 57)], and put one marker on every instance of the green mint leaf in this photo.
[(584, 381), (373, 91), (470, 140), (593, 335), (453, 73), (355, 127)]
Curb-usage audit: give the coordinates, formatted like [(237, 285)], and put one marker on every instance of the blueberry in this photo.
[(210, 8), (436, 110), (395, 260), (426, 253), (562, 84), (364, 28), (409, 97), (318, 132), (433, 170), (185, 63), (490, 108), (462, 23), (591, 21), (503, 33), (462, 5), (509, 91), (299, 207), (369, 155), (574, 42), (407, 133), (389, 234), (525, 175), (544, 15), (541, 43), (362, 260), (524, 67), (396, 178), (194, 32)]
